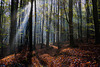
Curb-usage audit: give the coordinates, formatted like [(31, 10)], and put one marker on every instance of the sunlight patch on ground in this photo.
[(72, 57), (55, 47), (9, 59)]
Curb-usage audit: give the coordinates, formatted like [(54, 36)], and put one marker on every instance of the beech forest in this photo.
[(49, 33)]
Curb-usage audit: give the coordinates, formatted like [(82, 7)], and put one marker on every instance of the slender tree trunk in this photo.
[(61, 29), (80, 12), (66, 20), (66, 34), (40, 32), (21, 3), (58, 28), (43, 23), (0, 18), (50, 19), (71, 22), (16, 8), (78, 21), (47, 27), (1, 21), (99, 13), (96, 23), (19, 37), (35, 28), (54, 26), (88, 13)]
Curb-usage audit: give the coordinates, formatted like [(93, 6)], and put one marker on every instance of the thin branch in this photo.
[(65, 13)]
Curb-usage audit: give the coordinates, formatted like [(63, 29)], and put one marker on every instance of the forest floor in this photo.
[(83, 56)]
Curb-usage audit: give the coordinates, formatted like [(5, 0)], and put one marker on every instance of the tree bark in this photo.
[(14, 7), (99, 14), (77, 10), (80, 12), (71, 22), (47, 27), (1, 21), (35, 27), (43, 23), (88, 13), (96, 23), (54, 26), (58, 28), (30, 35)]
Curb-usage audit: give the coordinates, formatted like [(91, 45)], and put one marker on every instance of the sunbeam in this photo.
[(24, 22)]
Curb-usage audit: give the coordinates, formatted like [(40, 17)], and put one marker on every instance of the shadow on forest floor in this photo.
[(84, 56)]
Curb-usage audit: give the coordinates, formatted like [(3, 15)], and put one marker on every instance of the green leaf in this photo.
[(90, 24), (47, 30), (99, 20), (92, 29)]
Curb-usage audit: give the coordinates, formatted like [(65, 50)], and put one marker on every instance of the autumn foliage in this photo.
[(67, 57)]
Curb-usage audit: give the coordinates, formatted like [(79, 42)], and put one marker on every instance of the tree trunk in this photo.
[(30, 27), (30, 34), (54, 26), (14, 7), (80, 12), (96, 23), (50, 20), (58, 28), (1, 21), (21, 3), (88, 13), (61, 28), (35, 27), (47, 27), (71, 22), (43, 23), (77, 10), (99, 14)]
